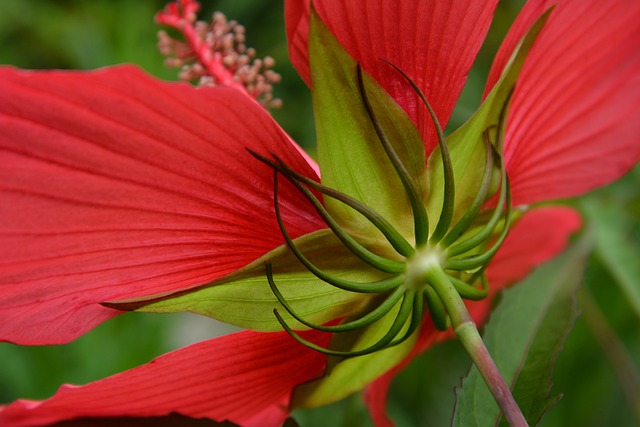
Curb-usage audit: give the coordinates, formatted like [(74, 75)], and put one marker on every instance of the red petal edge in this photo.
[(572, 125), (246, 378), (115, 185), (531, 11), (540, 235), (434, 42)]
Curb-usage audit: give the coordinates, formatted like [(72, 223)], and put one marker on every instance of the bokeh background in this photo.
[(598, 387)]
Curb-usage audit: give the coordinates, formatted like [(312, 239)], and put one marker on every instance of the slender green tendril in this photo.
[(472, 213), (449, 186), (420, 217), (397, 241), (360, 323), (404, 312), (470, 292), (436, 309), (383, 285)]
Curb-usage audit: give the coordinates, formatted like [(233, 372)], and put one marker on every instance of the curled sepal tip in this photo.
[(395, 239), (347, 285), (374, 260), (404, 312), (360, 323)]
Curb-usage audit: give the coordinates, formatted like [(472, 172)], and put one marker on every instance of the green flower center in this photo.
[(419, 265)]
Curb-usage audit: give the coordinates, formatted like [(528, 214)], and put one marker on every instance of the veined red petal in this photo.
[(572, 125), (540, 235), (115, 185), (531, 11), (246, 378), (537, 237), (433, 41)]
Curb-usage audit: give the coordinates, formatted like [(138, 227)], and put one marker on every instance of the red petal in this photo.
[(434, 42), (573, 122), (245, 378), (531, 11), (116, 185), (539, 236), (375, 396)]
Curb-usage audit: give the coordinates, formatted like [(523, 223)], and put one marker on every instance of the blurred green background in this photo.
[(76, 34)]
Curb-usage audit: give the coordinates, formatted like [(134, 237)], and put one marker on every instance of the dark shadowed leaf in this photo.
[(617, 248)]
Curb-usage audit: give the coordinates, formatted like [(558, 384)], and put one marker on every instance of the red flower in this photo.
[(115, 185)]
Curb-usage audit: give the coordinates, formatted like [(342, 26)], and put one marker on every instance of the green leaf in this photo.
[(351, 157), (244, 298), (526, 333), (618, 252), (467, 143)]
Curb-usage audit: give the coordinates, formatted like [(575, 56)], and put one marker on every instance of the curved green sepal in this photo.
[(467, 220), (359, 323), (351, 157), (420, 219), (470, 292), (374, 260), (436, 309), (467, 143), (396, 240), (352, 375), (404, 314), (245, 299), (476, 261)]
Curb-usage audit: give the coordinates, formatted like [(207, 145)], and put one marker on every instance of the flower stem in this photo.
[(472, 342), (466, 330)]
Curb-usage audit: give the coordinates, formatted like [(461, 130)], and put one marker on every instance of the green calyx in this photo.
[(443, 223), (451, 258)]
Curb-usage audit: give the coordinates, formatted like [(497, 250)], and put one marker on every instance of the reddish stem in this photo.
[(466, 330)]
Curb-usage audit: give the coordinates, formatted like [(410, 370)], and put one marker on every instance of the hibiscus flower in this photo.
[(116, 186)]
